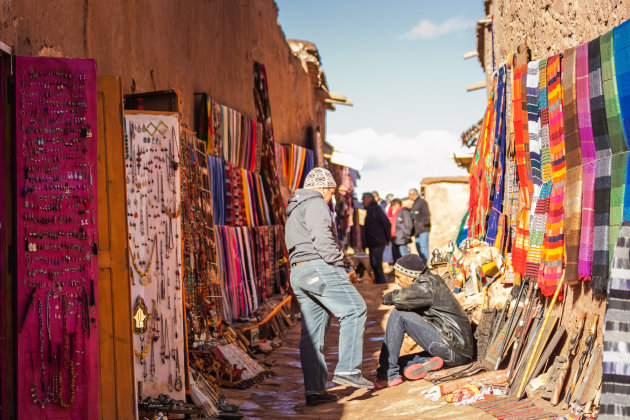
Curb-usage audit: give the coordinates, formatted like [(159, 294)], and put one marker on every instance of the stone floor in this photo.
[(282, 396)]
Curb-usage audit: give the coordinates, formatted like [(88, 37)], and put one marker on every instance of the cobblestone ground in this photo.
[(282, 396)]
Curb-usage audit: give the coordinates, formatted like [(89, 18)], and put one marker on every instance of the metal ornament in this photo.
[(140, 315)]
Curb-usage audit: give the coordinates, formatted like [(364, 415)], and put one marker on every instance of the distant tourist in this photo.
[(376, 235), (426, 310), (404, 228), (323, 289), (381, 203), (421, 223)]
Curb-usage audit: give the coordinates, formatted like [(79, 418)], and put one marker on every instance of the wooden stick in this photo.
[(523, 323), (507, 337), (540, 334)]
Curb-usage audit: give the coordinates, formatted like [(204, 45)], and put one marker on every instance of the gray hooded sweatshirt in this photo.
[(310, 231)]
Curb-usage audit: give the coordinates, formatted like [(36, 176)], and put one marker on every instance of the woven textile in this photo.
[(533, 126), (621, 47), (478, 175), (602, 172), (524, 168), (511, 188), (616, 136), (553, 245), (585, 262), (614, 403), (499, 162), (539, 218), (573, 189), (537, 233)]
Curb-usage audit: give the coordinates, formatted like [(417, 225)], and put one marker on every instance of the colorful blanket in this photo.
[(585, 262), (573, 189), (602, 172)]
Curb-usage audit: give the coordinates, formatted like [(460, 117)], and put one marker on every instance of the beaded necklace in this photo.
[(140, 272), (67, 358), (44, 389)]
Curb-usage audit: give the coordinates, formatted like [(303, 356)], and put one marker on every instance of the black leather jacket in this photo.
[(429, 297)]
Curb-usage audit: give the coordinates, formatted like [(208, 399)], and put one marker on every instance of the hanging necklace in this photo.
[(67, 358), (144, 275), (176, 213), (178, 380), (34, 389)]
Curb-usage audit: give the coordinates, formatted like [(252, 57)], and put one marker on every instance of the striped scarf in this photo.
[(538, 224), (537, 220), (585, 262), (524, 167), (553, 245), (573, 189), (602, 172), (614, 403), (511, 190), (618, 146), (499, 162)]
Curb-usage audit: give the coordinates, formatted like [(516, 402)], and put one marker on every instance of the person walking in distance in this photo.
[(323, 288), (421, 223), (376, 234), (392, 213), (404, 227)]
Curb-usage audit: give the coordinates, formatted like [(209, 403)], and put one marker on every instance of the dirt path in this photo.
[(282, 396)]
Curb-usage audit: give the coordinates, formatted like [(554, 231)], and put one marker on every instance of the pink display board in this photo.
[(57, 266), (3, 341)]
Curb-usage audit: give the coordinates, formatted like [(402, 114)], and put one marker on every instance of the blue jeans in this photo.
[(403, 249), (423, 333), (422, 245), (323, 290)]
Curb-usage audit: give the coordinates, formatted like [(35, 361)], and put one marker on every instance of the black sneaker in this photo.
[(355, 380), (317, 399)]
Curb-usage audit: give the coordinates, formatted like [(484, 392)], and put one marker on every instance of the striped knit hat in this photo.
[(319, 178), (410, 265)]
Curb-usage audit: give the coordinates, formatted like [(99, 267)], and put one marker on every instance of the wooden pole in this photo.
[(530, 362)]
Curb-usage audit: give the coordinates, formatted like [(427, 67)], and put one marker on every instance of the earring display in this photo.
[(152, 164), (57, 266)]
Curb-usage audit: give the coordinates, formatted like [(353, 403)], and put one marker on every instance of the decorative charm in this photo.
[(140, 315)]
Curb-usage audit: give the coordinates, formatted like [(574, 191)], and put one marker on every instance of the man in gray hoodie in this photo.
[(322, 287)]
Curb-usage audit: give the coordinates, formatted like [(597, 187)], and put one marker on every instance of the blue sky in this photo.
[(401, 62)]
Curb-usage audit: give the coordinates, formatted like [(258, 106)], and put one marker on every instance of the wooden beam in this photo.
[(475, 86), (471, 54)]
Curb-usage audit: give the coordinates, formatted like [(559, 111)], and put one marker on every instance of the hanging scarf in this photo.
[(511, 197), (618, 147), (585, 262), (539, 217), (621, 45), (615, 403), (499, 162), (602, 172), (553, 245), (573, 190), (523, 164)]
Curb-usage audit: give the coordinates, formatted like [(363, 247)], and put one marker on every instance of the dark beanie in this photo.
[(410, 265)]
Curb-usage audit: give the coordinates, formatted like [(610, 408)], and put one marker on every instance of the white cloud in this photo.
[(393, 164), (427, 29)]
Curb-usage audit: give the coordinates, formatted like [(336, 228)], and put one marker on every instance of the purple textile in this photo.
[(585, 263)]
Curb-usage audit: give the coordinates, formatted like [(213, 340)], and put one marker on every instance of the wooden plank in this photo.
[(117, 390)]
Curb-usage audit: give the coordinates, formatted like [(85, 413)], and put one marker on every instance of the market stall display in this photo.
[(57, 218)]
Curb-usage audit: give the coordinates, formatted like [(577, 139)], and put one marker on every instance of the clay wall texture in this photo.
[(192, 46), (550, 26), (447, 203)]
